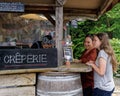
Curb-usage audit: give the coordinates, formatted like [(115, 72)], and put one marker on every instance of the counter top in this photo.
[(79, 67), (75, 67)]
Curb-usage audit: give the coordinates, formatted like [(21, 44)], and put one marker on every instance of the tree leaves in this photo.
[(109, 22), (115, 12)]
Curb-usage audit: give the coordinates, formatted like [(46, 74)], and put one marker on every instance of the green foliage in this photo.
[(77, 37), (114, 19), (115, 12), (100, 25), (109, 22), (116, 47)]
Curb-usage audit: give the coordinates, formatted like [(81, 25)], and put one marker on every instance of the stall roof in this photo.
[(91, 9)]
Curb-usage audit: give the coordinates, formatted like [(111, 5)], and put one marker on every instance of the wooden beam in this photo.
[(41, 5), (18, 91), (11, 80), (113, 4), (61, 2), (79, 11), (104, 7), (59, 33), (73, 68), (40, 9), (50, 18)]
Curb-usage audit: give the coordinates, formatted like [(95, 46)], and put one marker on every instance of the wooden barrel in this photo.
[(59, 84)]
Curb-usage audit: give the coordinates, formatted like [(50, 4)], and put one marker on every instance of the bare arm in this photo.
[(101, 68)]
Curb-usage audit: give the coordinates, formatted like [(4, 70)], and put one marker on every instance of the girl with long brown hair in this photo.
[(104, 66)]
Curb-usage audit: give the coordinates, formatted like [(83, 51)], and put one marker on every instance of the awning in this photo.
[(91, 9)]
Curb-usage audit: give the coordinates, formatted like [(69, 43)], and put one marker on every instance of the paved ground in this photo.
[(117, 87)]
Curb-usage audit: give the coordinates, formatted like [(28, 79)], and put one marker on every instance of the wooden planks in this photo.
[(59, 32), (15, 80), (12, 84), (18, 84), (18, 91)]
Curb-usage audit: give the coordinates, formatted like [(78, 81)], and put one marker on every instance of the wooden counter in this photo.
[(79, 67)]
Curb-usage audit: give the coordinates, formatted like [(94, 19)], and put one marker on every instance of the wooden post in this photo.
[(59, 30)]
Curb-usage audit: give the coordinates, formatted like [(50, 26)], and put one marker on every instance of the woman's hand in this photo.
[(76, 60), (90, 63)]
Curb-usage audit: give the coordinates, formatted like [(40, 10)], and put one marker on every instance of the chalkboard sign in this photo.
[(68, 54), (12, 7), (28, 58)]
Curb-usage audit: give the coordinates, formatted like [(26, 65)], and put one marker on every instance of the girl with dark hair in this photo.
[(90, 53), (104, 66)]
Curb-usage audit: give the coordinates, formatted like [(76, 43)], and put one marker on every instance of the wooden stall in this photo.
[(22, 81)]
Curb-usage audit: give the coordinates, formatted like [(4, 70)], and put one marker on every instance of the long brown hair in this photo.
[(106, 46)]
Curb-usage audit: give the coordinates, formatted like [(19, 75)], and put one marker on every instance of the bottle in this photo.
[(68, 41), (67, 61)]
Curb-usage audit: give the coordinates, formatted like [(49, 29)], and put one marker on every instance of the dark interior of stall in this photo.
[(20, 30)]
